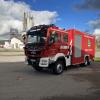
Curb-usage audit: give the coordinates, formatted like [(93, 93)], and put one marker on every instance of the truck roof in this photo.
[(52, 26), (40, 27)]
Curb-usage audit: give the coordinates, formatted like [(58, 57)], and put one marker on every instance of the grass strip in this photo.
[(97, 59)]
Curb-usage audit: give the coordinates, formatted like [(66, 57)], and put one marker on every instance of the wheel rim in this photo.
[(86, 62), (59, 68), (90, 62)]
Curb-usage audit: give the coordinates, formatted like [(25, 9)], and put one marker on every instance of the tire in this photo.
[(37, 68), (28, 62), (86, 62), (90, 62), (58, 68)]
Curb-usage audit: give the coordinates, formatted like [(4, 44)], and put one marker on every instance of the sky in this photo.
[(83, 15), (68, 15)]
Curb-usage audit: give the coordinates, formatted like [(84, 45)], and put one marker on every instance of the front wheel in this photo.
[(37, 68), (58, 67)]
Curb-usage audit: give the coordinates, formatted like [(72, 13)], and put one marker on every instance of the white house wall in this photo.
[(16, 43)]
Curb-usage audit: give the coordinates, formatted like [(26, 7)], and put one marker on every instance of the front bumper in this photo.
[(31, 61), (41, 62)]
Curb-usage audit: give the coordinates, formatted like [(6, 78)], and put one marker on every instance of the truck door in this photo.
[(54, 42), (65, 48)]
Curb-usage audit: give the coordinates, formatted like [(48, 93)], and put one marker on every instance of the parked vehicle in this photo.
[(47, 46)]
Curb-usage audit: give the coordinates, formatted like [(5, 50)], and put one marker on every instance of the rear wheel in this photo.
[(86, 62), (90, 62), (58, 68)]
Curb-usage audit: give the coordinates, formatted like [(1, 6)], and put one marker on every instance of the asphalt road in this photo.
[(20, 82)]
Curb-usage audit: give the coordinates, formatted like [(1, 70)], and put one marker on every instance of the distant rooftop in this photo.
[(8, 36)]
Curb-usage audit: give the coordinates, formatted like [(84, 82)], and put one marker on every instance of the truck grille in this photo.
[(33, 53)]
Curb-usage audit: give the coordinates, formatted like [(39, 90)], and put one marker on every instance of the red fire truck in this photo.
[(47, 46)]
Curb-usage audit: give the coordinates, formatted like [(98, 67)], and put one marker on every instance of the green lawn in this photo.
[(97, 59), (98, 49), (10, 50)]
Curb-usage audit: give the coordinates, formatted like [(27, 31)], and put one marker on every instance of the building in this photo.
[(27, 21), (14, 41), (2, 43)]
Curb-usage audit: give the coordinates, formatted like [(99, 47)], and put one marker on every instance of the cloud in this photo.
[(88, 5), (44, 17), (95, 24), (97, 32), (11, 15), (93, 5)]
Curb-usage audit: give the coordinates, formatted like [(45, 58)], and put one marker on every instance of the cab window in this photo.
[(65, 37), (54, 36)]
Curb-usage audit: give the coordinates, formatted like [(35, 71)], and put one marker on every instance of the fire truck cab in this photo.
[(47, 46)]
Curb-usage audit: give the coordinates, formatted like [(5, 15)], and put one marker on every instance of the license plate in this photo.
[(33, 60)]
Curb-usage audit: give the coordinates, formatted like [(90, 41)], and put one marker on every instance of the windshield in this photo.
[(36, 37)]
